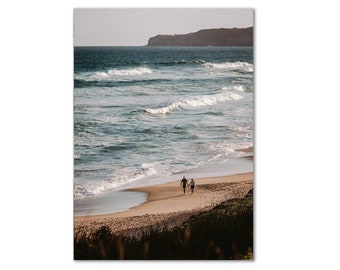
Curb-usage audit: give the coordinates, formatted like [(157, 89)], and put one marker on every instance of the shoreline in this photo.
[(167, 206), (133, 194)]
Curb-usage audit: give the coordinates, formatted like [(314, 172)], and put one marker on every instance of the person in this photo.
[(192, 185), (184, 183)]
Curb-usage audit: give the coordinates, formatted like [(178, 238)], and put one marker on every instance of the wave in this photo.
[(111, 74), (116, 148), (200, 101), (128, 72), (239, 88), (123, 178), (80, 83), (226, 150), (231, 65)]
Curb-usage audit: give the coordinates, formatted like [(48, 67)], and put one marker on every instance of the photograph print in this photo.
[(163, 109)]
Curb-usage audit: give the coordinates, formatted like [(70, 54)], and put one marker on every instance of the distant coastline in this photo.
[(207, 37)]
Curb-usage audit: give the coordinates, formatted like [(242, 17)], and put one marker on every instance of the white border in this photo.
[(297, 96)]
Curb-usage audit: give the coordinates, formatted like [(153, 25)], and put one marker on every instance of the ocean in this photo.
[(150, 115)]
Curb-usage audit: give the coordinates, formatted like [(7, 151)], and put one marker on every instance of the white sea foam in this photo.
[(225, 150), (164, 110), (101, 74), (200, 101), (234, 87), (130, 71), (123, 177), (230, 65), (112, 73)]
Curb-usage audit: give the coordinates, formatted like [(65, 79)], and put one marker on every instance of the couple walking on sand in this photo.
[(184, 184)]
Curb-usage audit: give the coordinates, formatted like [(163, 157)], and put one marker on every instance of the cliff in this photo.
[(207, 37)]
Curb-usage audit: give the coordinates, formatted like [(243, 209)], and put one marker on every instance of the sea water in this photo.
[(147, 115)]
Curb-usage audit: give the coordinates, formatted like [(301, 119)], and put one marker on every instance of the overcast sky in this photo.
[(133, 27)]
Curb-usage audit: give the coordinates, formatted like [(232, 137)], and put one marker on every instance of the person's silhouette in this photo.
[(184, 183)]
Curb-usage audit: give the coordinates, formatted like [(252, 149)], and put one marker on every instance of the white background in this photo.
[(296, 126)]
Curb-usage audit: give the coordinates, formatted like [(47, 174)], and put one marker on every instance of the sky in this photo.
[(134, 26)]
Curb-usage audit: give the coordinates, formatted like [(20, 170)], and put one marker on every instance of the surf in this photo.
[(230, 65), (111, 74), (200, 101)]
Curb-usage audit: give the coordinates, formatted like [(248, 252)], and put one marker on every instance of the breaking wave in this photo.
[(111, 74), (239, 88), (124, 177), (231, 65), (128, 72), (200, 101)]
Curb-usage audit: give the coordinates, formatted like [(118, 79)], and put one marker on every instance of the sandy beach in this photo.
[(168, 206)]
